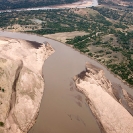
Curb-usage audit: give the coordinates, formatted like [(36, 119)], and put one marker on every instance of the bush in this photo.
[(1, 124), (90, 54), (108, 52)]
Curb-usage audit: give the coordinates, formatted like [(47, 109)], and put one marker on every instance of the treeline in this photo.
[(51, 30), (108, 2), (123, 71), (124, 16), (125, 39), (109, 13), (66, 21)]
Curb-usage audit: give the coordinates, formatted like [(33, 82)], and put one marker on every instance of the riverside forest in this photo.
[(108, 32)]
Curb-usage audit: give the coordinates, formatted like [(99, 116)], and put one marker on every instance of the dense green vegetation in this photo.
[(115, 3), (67, 21), (109, 2), (108, 39), (124, 16)]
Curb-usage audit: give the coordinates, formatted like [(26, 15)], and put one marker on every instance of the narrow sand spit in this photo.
[(109, 103), (21, 83)]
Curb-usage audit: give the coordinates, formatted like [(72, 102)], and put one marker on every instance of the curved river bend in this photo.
[(63, 109)]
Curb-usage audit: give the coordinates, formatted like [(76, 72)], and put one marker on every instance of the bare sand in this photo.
[(80, 4), (21, 82), (111, 116)]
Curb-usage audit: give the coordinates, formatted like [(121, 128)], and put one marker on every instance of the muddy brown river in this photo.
[(63, 108)]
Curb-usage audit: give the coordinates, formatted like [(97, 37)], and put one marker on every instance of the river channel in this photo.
[(63, 108), (94, 3)]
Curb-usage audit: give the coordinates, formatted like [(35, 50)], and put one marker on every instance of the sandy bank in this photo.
[(21, 83), (80, 4), (109, 103)]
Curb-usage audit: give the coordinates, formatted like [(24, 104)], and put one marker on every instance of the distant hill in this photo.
[(14, 4), (117, 2)]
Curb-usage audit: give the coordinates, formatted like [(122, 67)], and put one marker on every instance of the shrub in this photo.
[(1, 124)]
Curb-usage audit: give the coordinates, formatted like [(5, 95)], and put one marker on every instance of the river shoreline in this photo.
[(83, 4), (110, 104), (126, 83), (79, 52), (80, 118), (70, 47)]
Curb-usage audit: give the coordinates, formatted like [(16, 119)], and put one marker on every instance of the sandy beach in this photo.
[(109, 103), (21, 83)]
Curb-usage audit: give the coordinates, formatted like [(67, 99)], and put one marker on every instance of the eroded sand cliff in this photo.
[(109, 103), (21, 83)]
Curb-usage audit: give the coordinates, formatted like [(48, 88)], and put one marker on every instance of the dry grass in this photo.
[(62, 37), (116, 57), (84, 11)]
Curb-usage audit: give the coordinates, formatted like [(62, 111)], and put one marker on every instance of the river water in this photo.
[(63, 108), (94, 3)]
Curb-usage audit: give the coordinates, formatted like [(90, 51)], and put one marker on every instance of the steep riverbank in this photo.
[(21, 83), (111, 105)]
